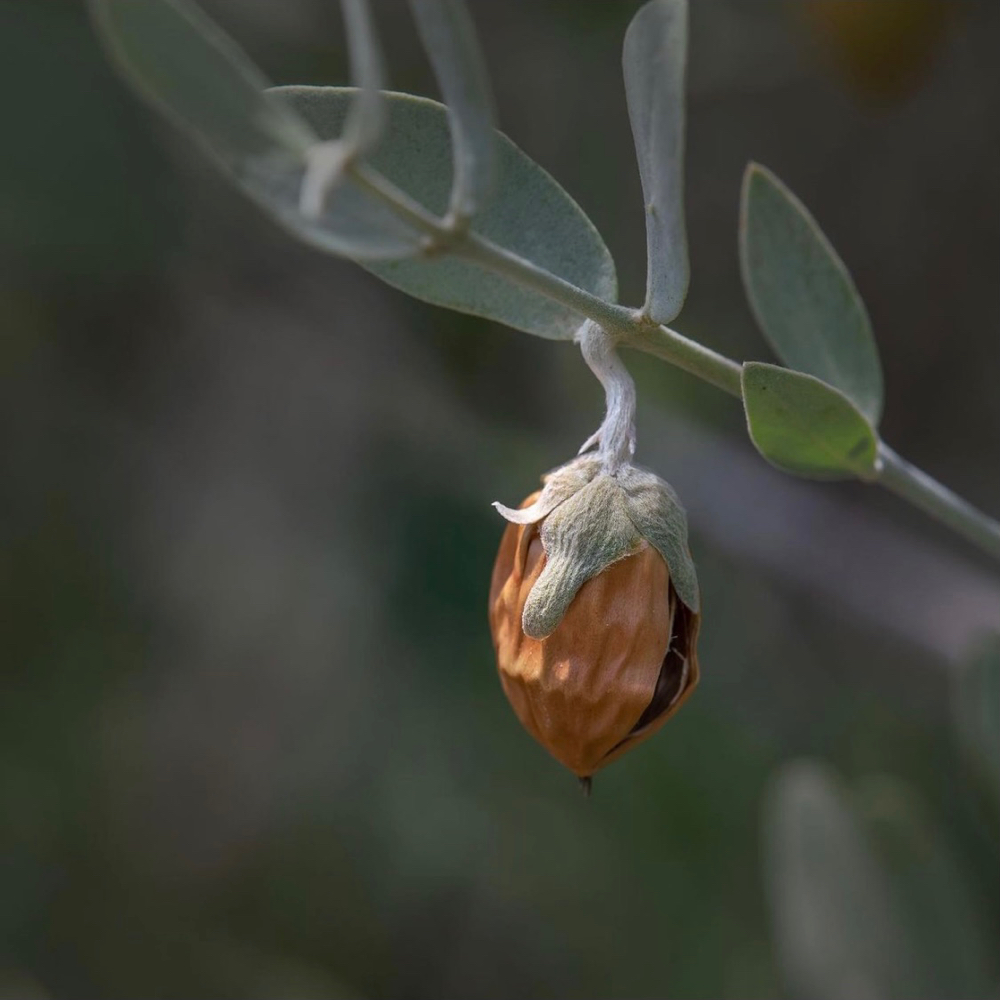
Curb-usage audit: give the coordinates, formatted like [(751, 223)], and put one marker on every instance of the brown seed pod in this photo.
[(620, 662)]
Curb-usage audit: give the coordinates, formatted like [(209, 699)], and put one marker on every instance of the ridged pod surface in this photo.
[(620, 662)]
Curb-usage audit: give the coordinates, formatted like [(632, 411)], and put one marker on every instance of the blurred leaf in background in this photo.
[(836, 921), (867, 898), (949, 941)]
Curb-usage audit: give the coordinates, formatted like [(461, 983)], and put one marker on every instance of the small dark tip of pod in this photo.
[(586, 784)]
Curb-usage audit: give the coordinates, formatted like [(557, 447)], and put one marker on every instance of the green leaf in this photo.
[(530, 215), (326, 162), (806, 427), (186, 67), (836, 924), (653, 61), (182, 62), (450, 39), (802, 295), (366, 122), (934, 903)]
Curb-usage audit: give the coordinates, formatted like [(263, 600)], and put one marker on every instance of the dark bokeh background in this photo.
[(251, 738)]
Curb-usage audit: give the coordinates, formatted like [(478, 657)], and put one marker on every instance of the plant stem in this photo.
[(615, 438), (617, 320), (633, 328), (695, 358), (628, 325), (907, 481)]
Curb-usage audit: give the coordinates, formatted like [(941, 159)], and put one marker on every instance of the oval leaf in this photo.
[(347, 220), (806, 427), (530, 215), (802, 295), (183, 64), (654, 61), (835, 919), (365, 123), (935, 907), (450, 39), (327, 161)]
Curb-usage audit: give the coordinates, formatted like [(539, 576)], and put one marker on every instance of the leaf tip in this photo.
[(756, 177)]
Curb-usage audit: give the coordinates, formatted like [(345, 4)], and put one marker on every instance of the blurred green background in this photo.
[(252, 743)]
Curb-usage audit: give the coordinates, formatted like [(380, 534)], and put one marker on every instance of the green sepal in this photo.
[(657, 514), (582, 537)]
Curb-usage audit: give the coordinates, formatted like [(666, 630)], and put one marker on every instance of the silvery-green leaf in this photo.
[(351, 222), (655, 510), (327, 161), (450, 39), (802, 294), (806, 427), (530, 215), (366, 120), (654, 61), (935, 908), (183, 63), (836, 925), (560, 485), (582, 537)]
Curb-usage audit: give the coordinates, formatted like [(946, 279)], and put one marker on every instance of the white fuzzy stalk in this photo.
[(615, 438)]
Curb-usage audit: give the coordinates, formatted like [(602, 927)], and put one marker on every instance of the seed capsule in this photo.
[(620, 660)]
